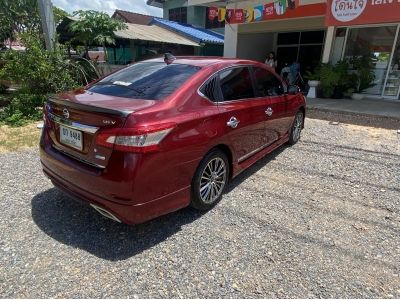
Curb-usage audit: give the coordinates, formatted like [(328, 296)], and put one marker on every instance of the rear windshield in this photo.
[(151, 81)]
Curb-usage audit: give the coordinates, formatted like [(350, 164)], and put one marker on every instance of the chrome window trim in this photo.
[(233, 101), (73, 125), (215, 73)]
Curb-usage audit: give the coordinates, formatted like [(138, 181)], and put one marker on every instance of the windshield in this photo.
[(147, 80)]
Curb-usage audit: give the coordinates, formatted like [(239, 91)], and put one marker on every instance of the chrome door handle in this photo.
[(233, 122), (269, 111)]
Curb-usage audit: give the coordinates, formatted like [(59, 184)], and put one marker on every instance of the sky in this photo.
[(108, 6)]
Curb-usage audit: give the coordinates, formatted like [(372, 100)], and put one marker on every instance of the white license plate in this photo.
[(71, 137)]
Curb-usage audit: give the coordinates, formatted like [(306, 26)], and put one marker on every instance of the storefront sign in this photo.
[(278, 9), (359, 12)]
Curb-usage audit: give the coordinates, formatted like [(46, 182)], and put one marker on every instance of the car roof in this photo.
[(203, 61)]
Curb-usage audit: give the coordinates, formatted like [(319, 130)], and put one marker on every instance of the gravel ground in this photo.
[(319, 219)]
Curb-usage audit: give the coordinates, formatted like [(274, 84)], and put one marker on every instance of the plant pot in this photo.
[(313, 83), (337, 92), (357, 96), (312, 91)]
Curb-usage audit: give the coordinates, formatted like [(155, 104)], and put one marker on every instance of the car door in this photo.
[(271, 89), (241, 113)]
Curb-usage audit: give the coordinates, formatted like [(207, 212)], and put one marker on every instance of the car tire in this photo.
[(210, 180), (295, 131)]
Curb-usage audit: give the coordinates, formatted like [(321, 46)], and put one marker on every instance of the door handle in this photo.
[(233, 122), (269, 111)]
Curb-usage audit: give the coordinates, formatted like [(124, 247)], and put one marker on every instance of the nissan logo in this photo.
[(66, 113)]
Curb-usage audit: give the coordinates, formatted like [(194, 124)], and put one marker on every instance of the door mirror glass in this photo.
[(293, 89)]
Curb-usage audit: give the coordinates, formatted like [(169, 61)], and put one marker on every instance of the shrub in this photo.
[(22, 109), (37, 70)]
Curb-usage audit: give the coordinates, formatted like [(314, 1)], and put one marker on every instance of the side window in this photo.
[(267, 84), (236, 84), (210, 89)]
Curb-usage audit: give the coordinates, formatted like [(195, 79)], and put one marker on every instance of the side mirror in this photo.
[(293, 89)]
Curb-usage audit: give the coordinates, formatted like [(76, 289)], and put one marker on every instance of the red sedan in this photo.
[(161, 135)]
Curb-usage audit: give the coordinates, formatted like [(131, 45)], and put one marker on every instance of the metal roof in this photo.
[(153, 33), (199, 35)]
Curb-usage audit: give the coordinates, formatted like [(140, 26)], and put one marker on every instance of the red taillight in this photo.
[(140, 139)]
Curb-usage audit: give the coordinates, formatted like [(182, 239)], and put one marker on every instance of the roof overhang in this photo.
[(153, 33)]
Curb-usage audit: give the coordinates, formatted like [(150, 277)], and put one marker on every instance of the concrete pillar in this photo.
[(231, 40), (330, 35)]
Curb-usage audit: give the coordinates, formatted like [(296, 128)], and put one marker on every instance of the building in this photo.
[(314, 31), (131, 17), (196, 15)]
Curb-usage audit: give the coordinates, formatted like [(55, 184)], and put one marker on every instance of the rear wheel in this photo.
[(297, 126), (210, 180)]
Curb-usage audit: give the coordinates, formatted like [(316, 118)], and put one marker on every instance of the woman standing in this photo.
[(271, 60)]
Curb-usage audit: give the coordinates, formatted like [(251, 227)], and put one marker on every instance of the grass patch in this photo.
[(19, 138)]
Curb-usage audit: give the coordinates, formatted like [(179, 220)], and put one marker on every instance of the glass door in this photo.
[(392, 86), (376, 43)]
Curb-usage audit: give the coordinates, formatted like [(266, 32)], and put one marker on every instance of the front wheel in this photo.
[(297, 126), (210, 180)]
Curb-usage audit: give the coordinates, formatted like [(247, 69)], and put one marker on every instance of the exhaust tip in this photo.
[(105, 213)]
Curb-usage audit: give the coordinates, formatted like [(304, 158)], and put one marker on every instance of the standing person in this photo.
[(271, 60)]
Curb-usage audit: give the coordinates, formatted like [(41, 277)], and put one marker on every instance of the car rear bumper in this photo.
[(129, 214), (61, 169)]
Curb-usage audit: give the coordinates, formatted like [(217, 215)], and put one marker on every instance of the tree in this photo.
[(18, 17), (59, 14), (95, 28)]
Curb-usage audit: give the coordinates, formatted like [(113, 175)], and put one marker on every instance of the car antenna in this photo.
[(169, 58)]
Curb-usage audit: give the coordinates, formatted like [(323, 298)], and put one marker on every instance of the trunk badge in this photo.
[(108, 122), (66, 113)]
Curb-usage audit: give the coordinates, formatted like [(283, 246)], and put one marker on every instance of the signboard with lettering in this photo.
[(359, 12), (278, 9)]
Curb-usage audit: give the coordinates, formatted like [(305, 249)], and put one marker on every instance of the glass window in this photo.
[(312, 37), (288, 38), (178, 14), (151, 81), (210, 89), (375, 43), (267, 84), (236, 84)]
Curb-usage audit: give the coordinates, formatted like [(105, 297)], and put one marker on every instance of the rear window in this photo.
[(150, 81)]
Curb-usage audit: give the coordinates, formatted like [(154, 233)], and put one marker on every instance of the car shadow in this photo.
[(78, 225)]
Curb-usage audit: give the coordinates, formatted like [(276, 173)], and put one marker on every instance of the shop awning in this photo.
[(153, 33)]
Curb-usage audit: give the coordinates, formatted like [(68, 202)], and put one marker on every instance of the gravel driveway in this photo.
[(319, 219)]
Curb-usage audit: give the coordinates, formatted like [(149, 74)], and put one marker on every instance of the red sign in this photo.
[(212, 13), (359, 12)]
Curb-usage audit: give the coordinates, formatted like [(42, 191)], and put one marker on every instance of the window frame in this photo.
[(220, 94), (278, 78)]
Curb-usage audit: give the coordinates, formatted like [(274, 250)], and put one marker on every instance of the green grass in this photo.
[(19, 138)]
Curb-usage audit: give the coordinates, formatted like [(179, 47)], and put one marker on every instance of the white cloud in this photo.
[(137, 6)]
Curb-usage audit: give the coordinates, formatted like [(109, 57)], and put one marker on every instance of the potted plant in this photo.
[(313, 82), (363, 75), (336, 82)]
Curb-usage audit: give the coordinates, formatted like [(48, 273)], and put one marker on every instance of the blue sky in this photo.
[(138, 6)]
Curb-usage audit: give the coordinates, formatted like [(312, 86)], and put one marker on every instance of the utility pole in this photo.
[(47, 18)]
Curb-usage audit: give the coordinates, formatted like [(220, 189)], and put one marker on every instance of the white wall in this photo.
[(255, 46)]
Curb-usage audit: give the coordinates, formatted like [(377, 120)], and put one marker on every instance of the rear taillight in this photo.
[(141, 139)]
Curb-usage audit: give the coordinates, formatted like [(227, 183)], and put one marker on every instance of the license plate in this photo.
[(71, 137)]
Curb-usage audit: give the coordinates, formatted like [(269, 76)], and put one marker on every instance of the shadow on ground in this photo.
[(78, 225)]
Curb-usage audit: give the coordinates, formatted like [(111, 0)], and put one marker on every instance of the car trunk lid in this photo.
[(74, 120)]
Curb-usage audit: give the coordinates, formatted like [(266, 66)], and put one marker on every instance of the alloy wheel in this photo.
[(213, 180)]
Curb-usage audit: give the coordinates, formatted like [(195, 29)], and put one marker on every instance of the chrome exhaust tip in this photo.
[(105, 213)]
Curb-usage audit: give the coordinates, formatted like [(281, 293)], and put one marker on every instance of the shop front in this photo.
[(369, 29), (314, 31)]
